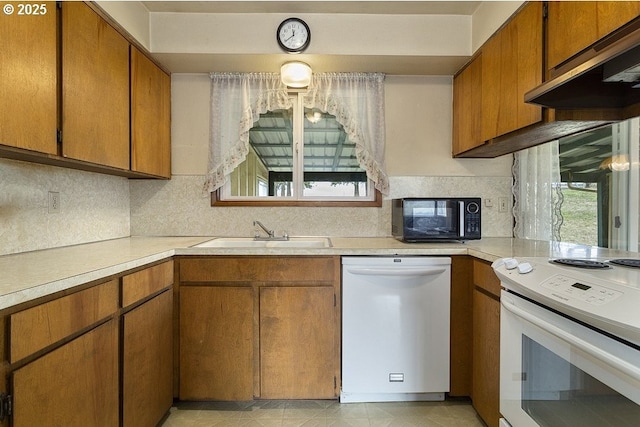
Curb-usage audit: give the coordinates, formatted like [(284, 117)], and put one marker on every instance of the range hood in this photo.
[(606, 76)]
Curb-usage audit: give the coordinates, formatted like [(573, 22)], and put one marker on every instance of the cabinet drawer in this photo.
[(259, 269), (485, 278), (35, 328), (141, 284)]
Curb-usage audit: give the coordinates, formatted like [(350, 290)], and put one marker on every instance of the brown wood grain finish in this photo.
[(511, 66), (485, 278), (216, 343), (74, 385), (467, 107), (486, 357), (147, 370), (574, 26), (461, 325), (141, 284), (36, 328), (28, 88), (150, 117), (298, 269), (95, 88), (297, 335), (285, 304)]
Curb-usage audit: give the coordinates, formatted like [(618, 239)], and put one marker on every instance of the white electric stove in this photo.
[(569, 342)]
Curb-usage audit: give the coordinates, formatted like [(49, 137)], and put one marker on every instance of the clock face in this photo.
[(293, 35)]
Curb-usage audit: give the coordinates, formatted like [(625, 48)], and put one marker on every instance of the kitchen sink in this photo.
[(249, 242)]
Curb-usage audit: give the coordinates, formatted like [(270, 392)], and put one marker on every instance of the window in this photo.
[(582, 188), (320, 146), (325, 159)]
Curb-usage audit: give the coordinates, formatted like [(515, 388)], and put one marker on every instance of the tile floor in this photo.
[(320, 413)]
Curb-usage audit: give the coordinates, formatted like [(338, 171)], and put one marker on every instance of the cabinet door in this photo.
[(147, 371), (486, 357), (574, 26), (95, 89), (150, 117), (511, 66), (28, 69), (74, 385), (216, 343), (467, 107), (298, 354)]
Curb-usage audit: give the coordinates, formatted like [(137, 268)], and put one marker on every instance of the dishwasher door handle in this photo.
[(396, 272)]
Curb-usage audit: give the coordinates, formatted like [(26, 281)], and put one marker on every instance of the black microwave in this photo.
[(435, 219)]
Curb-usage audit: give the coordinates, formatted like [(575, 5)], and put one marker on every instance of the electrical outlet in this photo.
[(503, 205), (54, 202)]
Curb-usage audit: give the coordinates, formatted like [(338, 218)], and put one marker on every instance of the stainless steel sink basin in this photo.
[(249, 242)]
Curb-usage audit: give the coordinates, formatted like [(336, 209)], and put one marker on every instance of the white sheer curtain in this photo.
[(357, 102), (537, 197), (237, 100)]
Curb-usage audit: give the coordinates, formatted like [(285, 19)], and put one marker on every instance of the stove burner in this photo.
[(581, 263), (626, 262)]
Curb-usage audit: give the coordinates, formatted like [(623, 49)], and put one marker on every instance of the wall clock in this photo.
[(293, 35)]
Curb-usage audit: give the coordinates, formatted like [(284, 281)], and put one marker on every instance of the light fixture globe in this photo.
[(295, 74)]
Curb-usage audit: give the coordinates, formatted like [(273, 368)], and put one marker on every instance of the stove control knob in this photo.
[(510, 263), (524, 268)]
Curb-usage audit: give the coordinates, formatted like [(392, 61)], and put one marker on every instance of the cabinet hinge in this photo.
[(59, 4), (59, 136), (6, 406), (545, 10), (335, 300)]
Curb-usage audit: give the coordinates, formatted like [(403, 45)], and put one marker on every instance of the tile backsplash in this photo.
[(179, 208), (93, 207), (96, 207)]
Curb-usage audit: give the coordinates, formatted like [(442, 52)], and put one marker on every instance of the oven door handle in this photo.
[(616, 362)]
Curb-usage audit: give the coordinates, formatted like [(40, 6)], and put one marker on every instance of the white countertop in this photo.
[(30, 275)]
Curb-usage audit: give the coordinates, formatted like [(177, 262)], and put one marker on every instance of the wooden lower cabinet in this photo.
[(216, 343), (74, 385), (486, 344), (259, 327), (297, 343), (147, 361)]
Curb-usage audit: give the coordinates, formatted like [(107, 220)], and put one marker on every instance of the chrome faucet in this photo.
[(270, 233)]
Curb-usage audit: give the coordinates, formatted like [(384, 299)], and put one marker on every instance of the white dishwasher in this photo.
[(395, 328)]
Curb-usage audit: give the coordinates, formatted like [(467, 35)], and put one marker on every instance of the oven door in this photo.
[(556, 372)]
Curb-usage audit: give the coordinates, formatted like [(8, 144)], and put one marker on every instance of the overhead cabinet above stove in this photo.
[(490, 114)]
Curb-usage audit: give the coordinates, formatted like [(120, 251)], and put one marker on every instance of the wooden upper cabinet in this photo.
[(95, 89), (511, 66), (150, 117), (574, 26), (467, 105), (28, 69)]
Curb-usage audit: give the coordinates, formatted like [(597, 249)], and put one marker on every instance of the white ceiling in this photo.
[(310, 6)]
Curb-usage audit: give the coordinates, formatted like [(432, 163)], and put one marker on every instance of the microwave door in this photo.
[(436, 219)]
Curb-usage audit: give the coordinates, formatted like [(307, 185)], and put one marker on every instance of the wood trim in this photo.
[(216, 202)]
